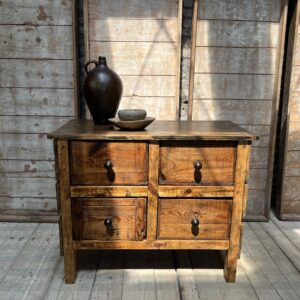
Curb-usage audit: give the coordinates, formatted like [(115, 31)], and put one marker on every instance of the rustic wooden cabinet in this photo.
[(175, 185)]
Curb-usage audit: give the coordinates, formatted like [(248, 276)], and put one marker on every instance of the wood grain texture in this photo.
[(193, 59), (235, 60), (158, 130), (29, 204), (293, 139), (128, 218), (154, 87), (292, 165), (129, 163), (65, 200), (145, 58), (43, 102), (26, 147), (231, 33), (233, 86), (153, 245), (32, 124), (35, 12), (36, 74), (27, 187), (263, 10), (195, 191), (41, 42), (152, 191), (133, 30), (114, 9), (237, 210), (107, 191), (290, 190), (175, 215), (239, 111), (27, 168), (177, 163), (294, 107)]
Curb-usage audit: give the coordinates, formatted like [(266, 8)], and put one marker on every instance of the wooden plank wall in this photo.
[(288, 201), (141, 40), (237, 64), (37, 95)]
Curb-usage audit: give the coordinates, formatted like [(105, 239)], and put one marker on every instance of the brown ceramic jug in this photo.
[(102, 89)]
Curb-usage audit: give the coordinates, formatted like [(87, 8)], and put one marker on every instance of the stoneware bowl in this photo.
[(132, 125), (132, 114)]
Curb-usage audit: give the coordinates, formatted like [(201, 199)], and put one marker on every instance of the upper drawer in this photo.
[(203, 163), (103, 163)]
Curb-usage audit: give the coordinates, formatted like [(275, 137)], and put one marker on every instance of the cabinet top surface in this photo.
[(158, 130)]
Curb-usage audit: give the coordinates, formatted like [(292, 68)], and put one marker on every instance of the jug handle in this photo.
[(88, 63)]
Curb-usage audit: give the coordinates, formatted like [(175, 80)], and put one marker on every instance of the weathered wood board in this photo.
[(39, 42), (37, 95), (143, 45), (43, 102), (36, 12), (288, 196), (237, 59)]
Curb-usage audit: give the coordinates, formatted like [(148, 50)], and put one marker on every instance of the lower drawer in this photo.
[(108, 219), (194, 218)]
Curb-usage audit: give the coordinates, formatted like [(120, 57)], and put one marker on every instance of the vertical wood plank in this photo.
[(65, 200), (276, 98), (193, 59), (86, 42), (153, 190), (75, 60), (288, 133), (236, 217), (178, 73)]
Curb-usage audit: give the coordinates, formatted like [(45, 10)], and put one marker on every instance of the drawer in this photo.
[(205, 163), (108, 219), (102, 163), (194, 218)]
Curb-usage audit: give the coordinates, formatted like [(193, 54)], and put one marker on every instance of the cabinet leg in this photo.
[(241, 238), (230, 266), (70, 265)]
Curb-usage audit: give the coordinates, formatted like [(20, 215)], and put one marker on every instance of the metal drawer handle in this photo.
[(108, 165), (197, 164), (195, 222), (108, 222)]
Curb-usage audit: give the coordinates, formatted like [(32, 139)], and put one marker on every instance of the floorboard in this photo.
[(31, 268)]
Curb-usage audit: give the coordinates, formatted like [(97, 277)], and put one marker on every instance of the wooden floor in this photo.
[(31, 268)]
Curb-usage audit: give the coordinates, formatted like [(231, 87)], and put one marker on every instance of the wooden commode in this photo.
[(175, 185)]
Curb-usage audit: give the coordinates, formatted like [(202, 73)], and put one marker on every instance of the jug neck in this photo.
[(102, 61)]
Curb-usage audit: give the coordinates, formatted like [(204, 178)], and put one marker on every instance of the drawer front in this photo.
[(194, 219), (205, 163), (102, 163), (108, 219)]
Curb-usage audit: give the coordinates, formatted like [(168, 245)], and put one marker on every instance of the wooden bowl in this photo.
[(132, 114)]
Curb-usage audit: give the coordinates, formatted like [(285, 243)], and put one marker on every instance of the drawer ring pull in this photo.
[(197, 164), (195, 222), (108, 165), (108, 222)]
